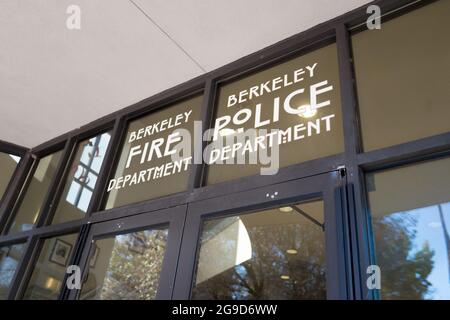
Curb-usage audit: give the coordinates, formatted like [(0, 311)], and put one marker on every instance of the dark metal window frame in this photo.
[(15, 150), (328, 187), (170, 218), (355, 161)]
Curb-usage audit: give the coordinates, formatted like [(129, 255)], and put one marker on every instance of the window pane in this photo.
[(146, 169), (50, 268), (299, 97), (271, 254), (126, 267), (9, 260), (402, 77), (30, 207), (8, 164), (82, 178), (410, 209)]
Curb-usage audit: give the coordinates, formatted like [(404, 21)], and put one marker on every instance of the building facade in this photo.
[(317, 168)]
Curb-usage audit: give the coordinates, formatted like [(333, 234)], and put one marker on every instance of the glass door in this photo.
[(284, 241), (132, 258)]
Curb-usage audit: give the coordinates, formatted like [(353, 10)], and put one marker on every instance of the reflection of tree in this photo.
[(260, 276), (404, 269), (134, 275), (8, 264)]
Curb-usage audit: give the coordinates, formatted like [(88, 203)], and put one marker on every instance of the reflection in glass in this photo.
[(82, 178), (271, 254), (30, 208), (9, 259), (8, 164), (50, 268), (403, 89), (126, 267), (410, 208)]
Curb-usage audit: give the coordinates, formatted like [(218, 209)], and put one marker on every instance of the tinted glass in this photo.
[(410, 209), (271, 254), (49, 271), (402, 77), (82, 179), (30, 208), (9, 260), (299, 97), (126, 267), (146, 169), (8, 164)]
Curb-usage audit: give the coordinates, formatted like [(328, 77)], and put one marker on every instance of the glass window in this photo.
[(82, 178), (284, 115), (156, 155), (126, 267), (8, 163), (410, 208), (9, 260), (402, 77), (29, 209), (49, 271), (271, 254)]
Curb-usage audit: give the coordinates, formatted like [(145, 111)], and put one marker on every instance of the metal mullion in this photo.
[(54, 191), (75, 259), (12, 148), (286, 49), (15, 186), (44, 231), (16, 203), (292, 172), (9, 184), (169, 201), (81, 259), (13, 241), (358, 238), (14, 237), (348, 92), (57, 229), (401, 153), (111, 156), (340, 276), (15, 150), (362, 240), (353, 205), (207, 113)]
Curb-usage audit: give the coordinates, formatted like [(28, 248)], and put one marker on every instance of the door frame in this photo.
[(330, 187), (173, 218)]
